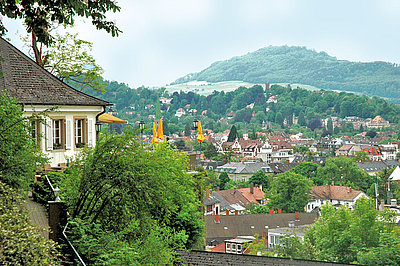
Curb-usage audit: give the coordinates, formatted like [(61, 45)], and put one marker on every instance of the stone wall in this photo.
[(213, 258)]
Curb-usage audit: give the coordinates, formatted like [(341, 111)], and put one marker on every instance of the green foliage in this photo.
[(224, 179), (345, 236), (212, 180), (21, 243), (19, 154), (284, 64), (233, 134), (140, 194), (39, 16), (309, 170), (231, 184), (289, 192), (260, 178), (70, 60), (210, 150), (344, 171), (360, 156)]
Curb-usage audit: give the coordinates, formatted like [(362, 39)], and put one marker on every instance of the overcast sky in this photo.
[(163, 40)]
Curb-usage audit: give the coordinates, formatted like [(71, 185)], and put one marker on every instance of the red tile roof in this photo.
[(327, 192), (372, 150), (219, 248), (257, 196)]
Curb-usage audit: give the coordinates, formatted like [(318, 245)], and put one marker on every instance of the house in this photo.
[(347, 150), (373, 167), (230, 226), (237, 245), (374, 153), (232, 201), (378, 122), (230, 115), (265, 152), (335, 195), (180, 112), (165, 100), (71, 122), (274, 235), (272, 99), (243, 170), (388, 151)]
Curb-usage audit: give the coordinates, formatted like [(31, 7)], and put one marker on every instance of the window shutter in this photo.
[(68, 137), (49, 134), (90, 132)]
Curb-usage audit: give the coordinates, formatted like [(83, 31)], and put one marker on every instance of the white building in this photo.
[(335, 195)]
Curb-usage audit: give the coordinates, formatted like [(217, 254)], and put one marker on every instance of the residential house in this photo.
[(378, 122), (165, 100), (70, 123), (230, 115), (373, 167), (272, 99), (388, 151), (335, 195), (180, 112), (274, 235), (282, 151), (347, 150), (242, 171), (230, 226), (373, 152), (265, 152)]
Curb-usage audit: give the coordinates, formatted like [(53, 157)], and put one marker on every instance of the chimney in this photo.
[(260, 186), (297, 215), (271, 211), (393, 202), (291, 224), (251, 188), (227, 212), (333, 183), (236, 212), (217, 219), (279, 210), (217, 188)]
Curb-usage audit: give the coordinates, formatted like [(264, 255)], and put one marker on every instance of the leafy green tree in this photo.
[(20, 155), (188, 130), (233, 134), (40, 15), (260, 178), (309, 170), (289, 192), (329, 125), (371, 134), (346, 236), (137, 193), (224, 178), (302, 120), (279, 118), (344, 171), (231, 184), (20, 241), (360, 156), (210, 151)]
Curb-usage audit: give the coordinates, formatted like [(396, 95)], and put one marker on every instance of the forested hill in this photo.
[(283, 64)]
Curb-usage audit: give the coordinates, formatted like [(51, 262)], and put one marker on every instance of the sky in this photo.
[(163, 40)]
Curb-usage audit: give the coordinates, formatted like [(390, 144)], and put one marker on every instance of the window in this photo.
[(80, 132), (35, 130), (58, 134), (228, 246), (239, 249), (234, 248)]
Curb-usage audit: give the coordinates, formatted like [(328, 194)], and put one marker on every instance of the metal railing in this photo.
[(56, 192)]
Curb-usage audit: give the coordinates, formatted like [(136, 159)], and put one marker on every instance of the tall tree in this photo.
[(260, 178), (289, 192), (233, 134), (210, 151), (302, 120), (40, 16)]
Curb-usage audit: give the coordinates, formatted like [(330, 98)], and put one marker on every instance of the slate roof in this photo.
[(31, 84), (250, 224), (375, 166), (328, 192), (278, 168), (243, 168)]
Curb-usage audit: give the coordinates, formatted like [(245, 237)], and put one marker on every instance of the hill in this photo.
[(284, 64)]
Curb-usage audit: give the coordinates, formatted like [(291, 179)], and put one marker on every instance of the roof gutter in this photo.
[(102, 112)]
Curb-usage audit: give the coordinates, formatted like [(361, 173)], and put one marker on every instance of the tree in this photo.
[(188, 130), (302, 119), (346, 236), (344, 171), (20, 241), (329, 125), (315, 123), (20, 155), (289, 192), (309, 170), (260, 178), (210, 151), (279, 118), (371, 134), (223, 178), (233, 134), (360, 156), (140, 195), (70, 59), (39, 16)]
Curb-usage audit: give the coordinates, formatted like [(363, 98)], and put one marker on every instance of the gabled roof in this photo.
[(257, 195), (31, 84), (372, 150), (333, 192)]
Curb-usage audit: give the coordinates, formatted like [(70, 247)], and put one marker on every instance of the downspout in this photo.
[(97, 119)]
